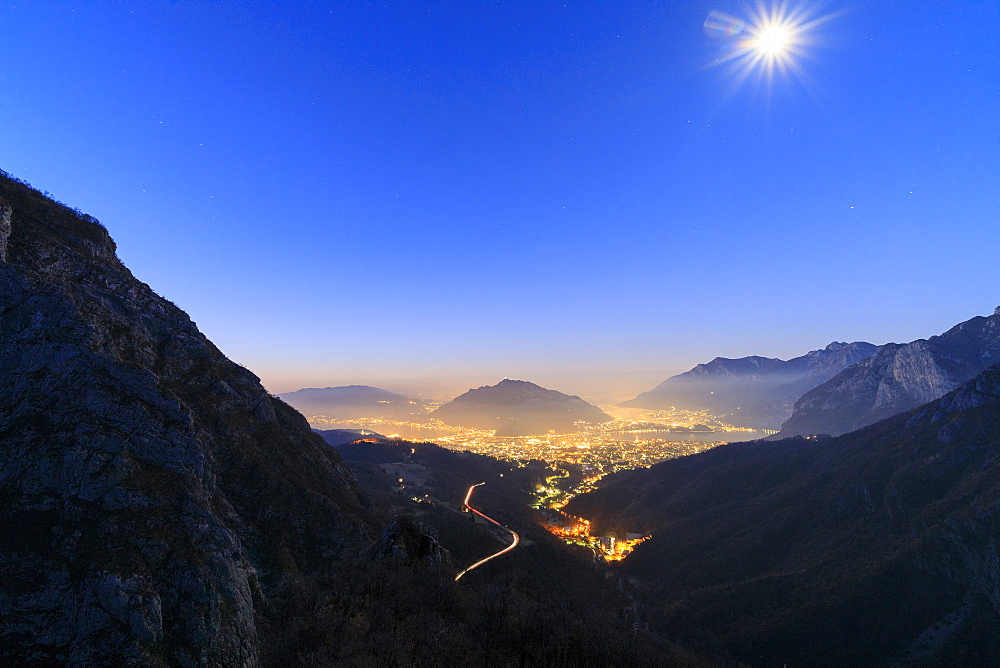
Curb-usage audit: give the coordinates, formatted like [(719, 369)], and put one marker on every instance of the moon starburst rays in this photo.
[(772, 42)]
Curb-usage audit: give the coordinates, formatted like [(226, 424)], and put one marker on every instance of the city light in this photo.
[(597, 450)]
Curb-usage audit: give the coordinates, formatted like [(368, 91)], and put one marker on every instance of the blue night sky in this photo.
[(574, 193)]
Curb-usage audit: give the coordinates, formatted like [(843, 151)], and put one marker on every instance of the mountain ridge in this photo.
[(518, 408), (896, 378), (352, 401), (752, 391), (135, 458), (807, 551)]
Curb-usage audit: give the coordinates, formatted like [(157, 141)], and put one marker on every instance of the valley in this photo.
[(506, 334), (643, 439), (573, 464), (148, 477), (577, 461)]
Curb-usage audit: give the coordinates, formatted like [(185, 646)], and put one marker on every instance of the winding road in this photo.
[(517, 539)]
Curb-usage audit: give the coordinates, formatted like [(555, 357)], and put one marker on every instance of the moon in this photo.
[(773, 41)]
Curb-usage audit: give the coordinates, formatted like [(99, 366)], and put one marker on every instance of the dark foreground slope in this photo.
[(154, 498), (753, 391), (541, 604), (896, 378), (874, 546)]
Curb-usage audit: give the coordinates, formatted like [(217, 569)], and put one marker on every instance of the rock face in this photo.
[(877, 547), (519, 408), (4, 230), (896, 379), (155, 498), (407, 542), (337, 437), (753, 391)]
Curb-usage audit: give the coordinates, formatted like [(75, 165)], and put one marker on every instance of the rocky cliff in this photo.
[(897, 378), (753, 391), (155, 499)]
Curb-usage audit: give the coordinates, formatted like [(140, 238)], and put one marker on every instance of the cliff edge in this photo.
[(155, 498)]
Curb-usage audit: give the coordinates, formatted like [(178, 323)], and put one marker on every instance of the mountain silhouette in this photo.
[(352, 401), (753, 391), (897, 378), (519, 408), (876, 547)]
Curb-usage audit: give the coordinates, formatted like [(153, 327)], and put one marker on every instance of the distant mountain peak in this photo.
[(338, 388), (896, 378), (510, 382), (754, 390), (752, 359), (506, 389), (518, 407), (351, 401)]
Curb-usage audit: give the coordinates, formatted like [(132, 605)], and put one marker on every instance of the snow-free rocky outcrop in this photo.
[(753, 391), (896, 378), (155, 498)]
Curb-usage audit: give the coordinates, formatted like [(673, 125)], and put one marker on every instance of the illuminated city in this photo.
[(576, 531), (600, 449), (578, 460)]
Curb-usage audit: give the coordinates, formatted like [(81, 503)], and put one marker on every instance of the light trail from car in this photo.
[(517, 539)]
